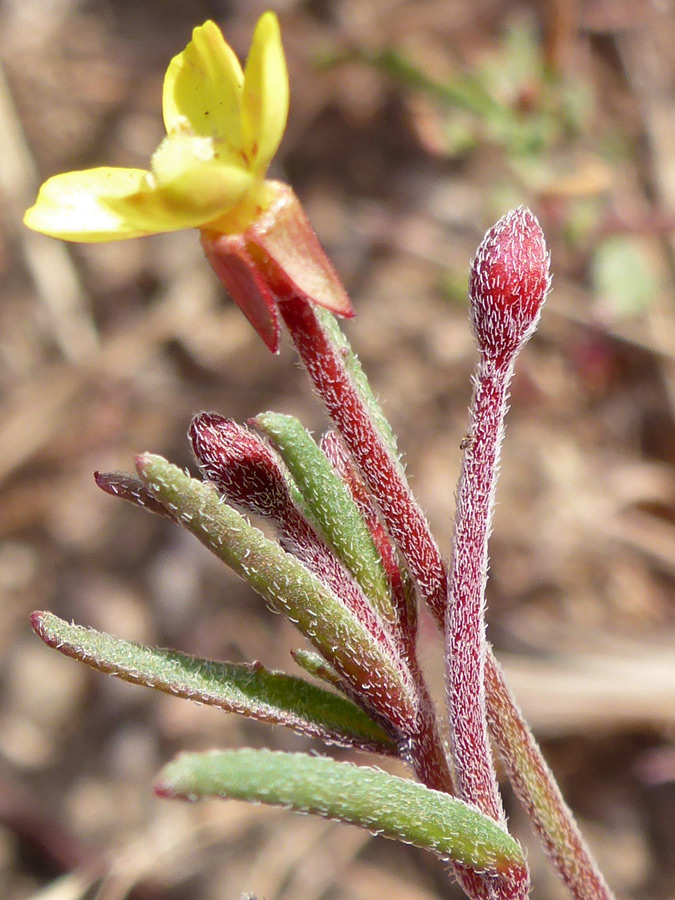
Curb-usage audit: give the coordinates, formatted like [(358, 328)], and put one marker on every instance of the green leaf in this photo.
[(250, 690), (314, 664), (624, 276), (359, 795), (331, 505), (379, 677)]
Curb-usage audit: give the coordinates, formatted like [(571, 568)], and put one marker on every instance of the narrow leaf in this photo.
[(331, 505), (359, 795), (314, 664), (250, 690), (379, 677), (131, 489)]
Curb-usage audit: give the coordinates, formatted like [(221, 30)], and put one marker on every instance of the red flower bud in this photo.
[(508, 285)]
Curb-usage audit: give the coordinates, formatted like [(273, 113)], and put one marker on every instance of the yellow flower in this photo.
[(223, 128)]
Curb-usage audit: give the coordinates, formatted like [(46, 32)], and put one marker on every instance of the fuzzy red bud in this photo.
[(508, 285)]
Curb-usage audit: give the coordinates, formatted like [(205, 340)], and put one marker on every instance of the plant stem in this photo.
[(538, 791), (465, 623), (382, 473)]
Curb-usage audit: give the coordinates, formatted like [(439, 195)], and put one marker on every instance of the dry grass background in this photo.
[(108, 350)]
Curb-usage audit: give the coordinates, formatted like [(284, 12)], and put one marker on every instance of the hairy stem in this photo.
[(537, 789), (465, 631), (382, 473)]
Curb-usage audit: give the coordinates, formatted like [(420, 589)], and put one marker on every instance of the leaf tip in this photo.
[(40, 626), (164, 790), (169, 783), (147, 463), (142, 461), (37, 623)]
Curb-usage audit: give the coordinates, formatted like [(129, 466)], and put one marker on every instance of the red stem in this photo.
[(404, 602), (403, 516), (465, 631), (537, 789)]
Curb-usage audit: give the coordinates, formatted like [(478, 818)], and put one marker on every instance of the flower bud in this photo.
[(508, 284)]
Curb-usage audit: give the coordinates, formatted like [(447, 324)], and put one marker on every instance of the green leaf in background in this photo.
[(623, 276), (250, 690), (359, 795)]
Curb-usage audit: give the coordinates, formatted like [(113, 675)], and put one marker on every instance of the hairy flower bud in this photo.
[(508, 284)]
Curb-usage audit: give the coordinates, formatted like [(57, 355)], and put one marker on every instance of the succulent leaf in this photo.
[(250, 690), (359, 795)]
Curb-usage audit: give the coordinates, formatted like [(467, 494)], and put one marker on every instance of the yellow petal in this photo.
[(198, 178), (265, 96), (202, 88), (90, 206)]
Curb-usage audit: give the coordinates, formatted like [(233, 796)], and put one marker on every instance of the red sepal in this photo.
[(292, 256), (246, 283), (278, 257)]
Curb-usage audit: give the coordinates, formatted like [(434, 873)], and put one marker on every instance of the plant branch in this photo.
[(465, 622), (381, 470), (539, 793)]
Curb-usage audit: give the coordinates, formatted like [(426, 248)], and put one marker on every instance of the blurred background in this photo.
[(414, 125)]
